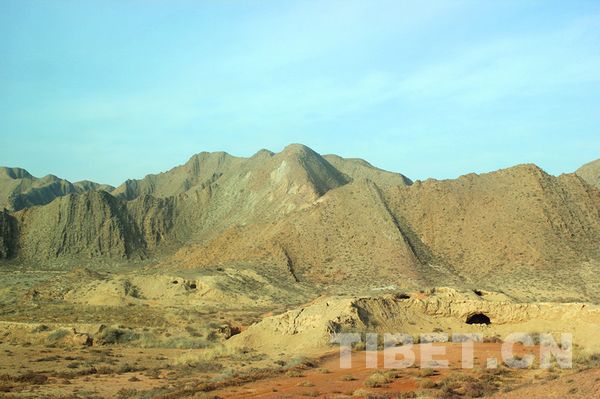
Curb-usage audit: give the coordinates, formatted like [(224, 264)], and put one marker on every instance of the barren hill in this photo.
[(19, 189), (590, 172), (334, 221), (512, 218)]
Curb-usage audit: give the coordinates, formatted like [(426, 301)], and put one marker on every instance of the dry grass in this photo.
[(377, 380)]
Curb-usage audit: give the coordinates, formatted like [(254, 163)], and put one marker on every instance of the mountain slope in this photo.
[(216, 191), (359, 168), (19, 189), (590, 172), (92, 224), (333, 221), (517, 225), (517, 228), (8, 235)]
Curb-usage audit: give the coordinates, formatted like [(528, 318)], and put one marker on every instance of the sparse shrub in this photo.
[(128, 393), (152, 373), (32, 378), (377, 380), (56, 335), (148, 340), (360, 393), (112, 336), (585, 361), (130, 289), (459, 385), (301, 363), (427, 372), (427, 384), (40, 328), (312, 394), (348, 378), (105, 370), (359, 346), (294, 373), (126, 368), (201, 360), (392, 374), (53, 358)]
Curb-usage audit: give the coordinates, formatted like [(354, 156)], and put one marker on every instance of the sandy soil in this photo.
[(329, 379)]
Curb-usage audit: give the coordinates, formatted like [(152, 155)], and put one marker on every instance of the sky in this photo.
[(109, 90)]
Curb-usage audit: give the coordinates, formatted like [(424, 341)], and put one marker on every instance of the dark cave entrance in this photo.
[(478, 318)]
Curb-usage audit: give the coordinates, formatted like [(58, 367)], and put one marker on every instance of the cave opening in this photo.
[(478, 318)]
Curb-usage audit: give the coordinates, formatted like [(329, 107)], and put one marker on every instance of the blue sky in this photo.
[(108, 90)]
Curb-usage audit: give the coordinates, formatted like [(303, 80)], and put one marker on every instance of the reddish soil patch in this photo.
[(330, 379)]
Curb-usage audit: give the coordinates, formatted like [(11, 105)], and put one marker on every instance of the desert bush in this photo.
[(359, 346), (360, 393), (112, 336), (427, 372), (105, 370), (394, 373), (31, 378), (56, 335), (348, 378), (131, 290), (208, 354), (52, 358), (585, 361), (459, 385), (377, 380), (40, 328), (427, 384), (301, 363), (128, 368), (201, 360), (148, 340), (128, 393), (294, 373), (311, 394)]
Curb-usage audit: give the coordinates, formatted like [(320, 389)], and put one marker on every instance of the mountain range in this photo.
[(324, 219)]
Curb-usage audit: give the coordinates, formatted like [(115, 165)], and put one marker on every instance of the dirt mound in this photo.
[(227, 288), (310, 329)]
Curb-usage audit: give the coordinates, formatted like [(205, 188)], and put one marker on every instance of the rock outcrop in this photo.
[(92, 224), (8, 235)]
